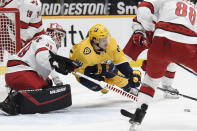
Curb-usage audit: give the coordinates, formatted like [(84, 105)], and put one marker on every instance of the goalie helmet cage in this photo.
[(9, 35)]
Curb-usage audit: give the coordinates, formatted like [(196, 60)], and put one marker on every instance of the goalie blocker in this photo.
[(37, 101)]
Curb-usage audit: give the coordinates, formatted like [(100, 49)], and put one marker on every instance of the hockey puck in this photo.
[(187, 110)]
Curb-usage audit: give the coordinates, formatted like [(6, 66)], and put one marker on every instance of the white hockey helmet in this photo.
[(57, 33)]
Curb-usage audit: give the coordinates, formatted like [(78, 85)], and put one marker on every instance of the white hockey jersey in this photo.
[(33, 57), (30, 17), (176, 19)]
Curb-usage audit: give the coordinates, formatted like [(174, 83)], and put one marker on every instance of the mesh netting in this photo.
[(7, 35), (8, 40)]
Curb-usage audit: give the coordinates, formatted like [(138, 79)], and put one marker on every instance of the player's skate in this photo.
[(9, 107), (138, 116), (170, 95)]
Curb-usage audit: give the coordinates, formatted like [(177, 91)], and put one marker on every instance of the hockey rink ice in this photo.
[(92, 111)]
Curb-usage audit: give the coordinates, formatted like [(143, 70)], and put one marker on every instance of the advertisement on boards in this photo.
[(88, 7)]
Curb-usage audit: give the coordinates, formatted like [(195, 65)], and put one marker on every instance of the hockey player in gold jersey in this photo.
[(101, 58)]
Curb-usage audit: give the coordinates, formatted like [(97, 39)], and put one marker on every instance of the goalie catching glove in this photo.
[(62, 64)]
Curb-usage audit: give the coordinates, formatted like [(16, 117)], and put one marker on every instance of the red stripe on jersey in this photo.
[(40, 49), (26, 95), (177, 28), (15, 63), (148, 5), (24, 25), (169, 74), (36, 25), (147, 90)]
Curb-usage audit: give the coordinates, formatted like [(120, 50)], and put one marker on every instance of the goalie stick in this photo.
[(109, 87), (177, 93)]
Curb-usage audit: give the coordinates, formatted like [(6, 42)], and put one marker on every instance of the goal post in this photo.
[(10, 42)]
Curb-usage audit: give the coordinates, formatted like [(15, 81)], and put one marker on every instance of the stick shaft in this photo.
[(109, 87), (189, 97), (187, 69)]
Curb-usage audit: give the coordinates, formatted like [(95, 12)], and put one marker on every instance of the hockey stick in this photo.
[(177, 93), (123, 76), (126, 113), (187, 69), (109, 87)]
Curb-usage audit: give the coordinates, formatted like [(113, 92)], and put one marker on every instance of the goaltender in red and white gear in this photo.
[(28, 71)]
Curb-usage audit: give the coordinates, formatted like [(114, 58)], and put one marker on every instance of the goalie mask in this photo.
[(99, 35), (57, 33)]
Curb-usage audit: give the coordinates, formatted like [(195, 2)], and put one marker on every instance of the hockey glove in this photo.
[(139, 38), (92, 71), (135, 79), (108, 70), (61, 64)]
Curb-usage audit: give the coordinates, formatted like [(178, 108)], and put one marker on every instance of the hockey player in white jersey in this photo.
[(141, 40), (32, 61), (30, 21), (175, 40), (30, 17), (29, 69)]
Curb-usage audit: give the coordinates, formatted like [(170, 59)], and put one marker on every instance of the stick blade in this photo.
[(126, 113)]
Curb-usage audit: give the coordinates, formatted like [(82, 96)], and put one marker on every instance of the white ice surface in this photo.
[(92, 111)]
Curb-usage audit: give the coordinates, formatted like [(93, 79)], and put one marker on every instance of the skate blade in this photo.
[(170, 96), (134, 126), (4, 113)]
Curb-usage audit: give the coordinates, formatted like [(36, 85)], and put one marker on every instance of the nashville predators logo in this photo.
[(87, 51)]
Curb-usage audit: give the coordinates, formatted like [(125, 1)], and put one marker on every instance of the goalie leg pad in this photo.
[(44, 100)]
